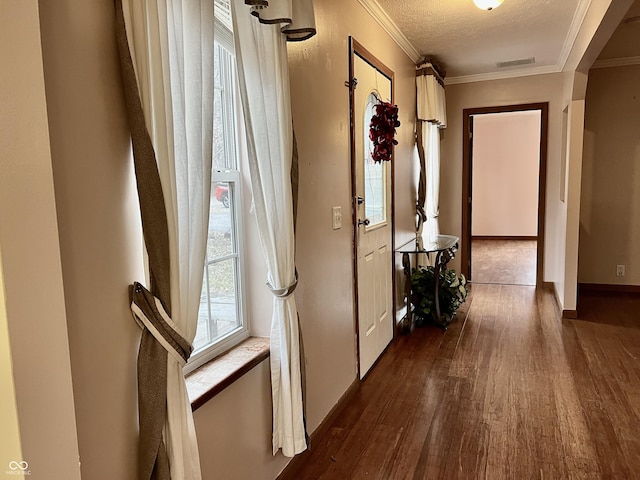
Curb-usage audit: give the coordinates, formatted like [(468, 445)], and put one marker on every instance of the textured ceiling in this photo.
[(470, 41)]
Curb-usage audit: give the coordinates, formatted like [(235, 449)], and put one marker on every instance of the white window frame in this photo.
[(233, 178)]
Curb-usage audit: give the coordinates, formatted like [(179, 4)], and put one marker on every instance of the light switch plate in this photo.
[(337, 217)]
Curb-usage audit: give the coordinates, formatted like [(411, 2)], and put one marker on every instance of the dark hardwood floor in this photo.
[(504, 261), (510, 391)]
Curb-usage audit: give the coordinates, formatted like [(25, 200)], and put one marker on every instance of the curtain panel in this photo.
[(432, 116), (431, 135), (261, 31), (431, 103), (166, 49)]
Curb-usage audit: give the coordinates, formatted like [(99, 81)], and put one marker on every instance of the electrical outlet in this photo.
[(620, 270), (337, 217)]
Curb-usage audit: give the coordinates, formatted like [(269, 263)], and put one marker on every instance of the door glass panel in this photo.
[(374, 173)]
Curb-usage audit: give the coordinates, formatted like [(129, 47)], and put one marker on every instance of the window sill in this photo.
[(207, 381)]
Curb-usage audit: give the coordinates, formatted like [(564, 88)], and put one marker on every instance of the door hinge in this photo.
[(351, 84)]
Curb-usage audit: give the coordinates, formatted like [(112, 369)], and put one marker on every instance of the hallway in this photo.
[(510, 391), (505, 261)]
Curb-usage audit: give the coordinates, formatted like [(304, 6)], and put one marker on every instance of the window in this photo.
[(221, 318), (375, 178)]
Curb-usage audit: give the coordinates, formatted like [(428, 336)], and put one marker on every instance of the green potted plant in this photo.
[(452, 293)]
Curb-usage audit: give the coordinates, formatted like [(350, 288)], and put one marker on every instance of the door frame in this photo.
[(467, 181), (355, 48)]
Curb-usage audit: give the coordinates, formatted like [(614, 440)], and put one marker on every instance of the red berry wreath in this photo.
[(382, 129)]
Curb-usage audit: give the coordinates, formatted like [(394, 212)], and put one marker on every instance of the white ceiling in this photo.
[(470, 41)]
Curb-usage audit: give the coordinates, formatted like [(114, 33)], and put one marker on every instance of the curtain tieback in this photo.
[(284, 292), (421, 212), (151, 315)]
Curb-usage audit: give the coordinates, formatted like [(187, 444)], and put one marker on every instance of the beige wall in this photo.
[(101, 247), (325, 296), (566, 285), (234, 431), (506, 160), (610, 201), (33, 303), (235, 443), (601, 19), (100, 238), (10, 447), (533, 89)]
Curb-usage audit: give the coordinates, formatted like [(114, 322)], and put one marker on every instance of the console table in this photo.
[(445, 247)]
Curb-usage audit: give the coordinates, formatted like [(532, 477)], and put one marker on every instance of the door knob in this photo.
[(364, 222)]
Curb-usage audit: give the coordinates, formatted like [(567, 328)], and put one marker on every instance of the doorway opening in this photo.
[(504, 178)]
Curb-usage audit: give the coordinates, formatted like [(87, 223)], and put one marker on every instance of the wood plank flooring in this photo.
[(510, 391), (504, 261)]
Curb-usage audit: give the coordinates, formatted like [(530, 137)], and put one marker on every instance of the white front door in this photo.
[(373, 208)]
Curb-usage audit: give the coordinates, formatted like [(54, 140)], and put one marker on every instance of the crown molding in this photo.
[(525, 72), (572, 34), (380, 16), (616, 62), (483, 77)]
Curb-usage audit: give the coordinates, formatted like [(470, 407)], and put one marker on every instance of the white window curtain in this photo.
[(261, 55), (171, 45), (432, 116), (431, 135)]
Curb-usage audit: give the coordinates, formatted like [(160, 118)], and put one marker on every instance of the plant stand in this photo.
[(444, 246)]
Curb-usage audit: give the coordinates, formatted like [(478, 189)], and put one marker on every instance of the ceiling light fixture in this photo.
[(487, 4)]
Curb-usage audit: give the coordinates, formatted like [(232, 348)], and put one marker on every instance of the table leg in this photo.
[(437, 269), (406, 264)]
